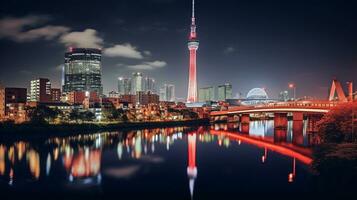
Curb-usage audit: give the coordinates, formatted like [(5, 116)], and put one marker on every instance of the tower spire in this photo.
[(193, 23), (192, 46), (193, 8)]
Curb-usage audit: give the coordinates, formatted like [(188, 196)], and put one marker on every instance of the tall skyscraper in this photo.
[(2, 103), (40, 90), (83, 70), (206, 94), (150, 85), (167, 93), (137, 83), (224, 92), (124, 85), (192, 46)]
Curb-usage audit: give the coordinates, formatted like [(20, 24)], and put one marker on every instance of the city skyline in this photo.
[(276, 39)]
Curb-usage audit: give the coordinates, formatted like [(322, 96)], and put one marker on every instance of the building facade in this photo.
[(128, 98), (79, 97), (56, 94), (137, 83), (150, 85), (40, 90), (206, 94), (145, 98), (15, 95), (2, 103), (167, 93), (284, 96), (124, 85), (83, 70), (224, 92)]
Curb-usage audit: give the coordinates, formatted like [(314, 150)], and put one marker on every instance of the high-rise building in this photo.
[(40, 90), (83, 70), (137, 83), (56, 94), (150, 85), (192, 46), (2, 103), (15, 95), (167, 93), (124, 85), (206, 94), (284, 95), (224, 92)]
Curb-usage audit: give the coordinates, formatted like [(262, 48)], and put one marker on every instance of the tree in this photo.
[(337, 125), (87, 116), (74, 115), (43, 114), (113, 114)]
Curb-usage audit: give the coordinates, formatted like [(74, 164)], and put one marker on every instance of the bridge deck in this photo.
[(303, 106)]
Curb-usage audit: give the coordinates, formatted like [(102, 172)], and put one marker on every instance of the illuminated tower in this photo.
[(192, 46), (192, 169)]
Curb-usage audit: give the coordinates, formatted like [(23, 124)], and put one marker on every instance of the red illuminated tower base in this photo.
[(192, 46)]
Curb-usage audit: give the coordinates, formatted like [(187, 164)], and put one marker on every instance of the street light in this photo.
[(293, 86)]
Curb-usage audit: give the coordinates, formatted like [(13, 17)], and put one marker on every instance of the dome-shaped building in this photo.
[(256, 96), (257, 93)]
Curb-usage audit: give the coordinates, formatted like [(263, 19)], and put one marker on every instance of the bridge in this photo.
[(297, 110)]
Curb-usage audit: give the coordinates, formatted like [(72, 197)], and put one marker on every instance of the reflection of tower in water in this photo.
[(192, 169)]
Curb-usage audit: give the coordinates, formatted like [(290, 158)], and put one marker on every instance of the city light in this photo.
[(115, 104)]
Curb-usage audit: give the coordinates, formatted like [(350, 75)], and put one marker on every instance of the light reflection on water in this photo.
[(172, 158)]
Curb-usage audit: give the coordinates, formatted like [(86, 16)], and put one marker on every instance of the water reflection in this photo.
[(87, 160)]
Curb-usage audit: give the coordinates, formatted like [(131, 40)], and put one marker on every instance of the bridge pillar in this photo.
[(244, 125), (298, 132), (245, 118), (280, 120), (298, 128), (233, 118), (280, 135), (298, 116)]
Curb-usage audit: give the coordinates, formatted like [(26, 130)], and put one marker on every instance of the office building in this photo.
[(56, 94), (15, 95), (224, 92), (80, 97), (284, 96), (128, 98), (124, 85), (206, 94), (137, 83), (40, 90), (167, 93), (83, 70), (150, 85), (145, 98)]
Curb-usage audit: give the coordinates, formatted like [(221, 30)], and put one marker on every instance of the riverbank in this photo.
[(32, 130), (336, 167)]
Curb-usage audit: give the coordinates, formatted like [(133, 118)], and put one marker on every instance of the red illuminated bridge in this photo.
[(297, 110)]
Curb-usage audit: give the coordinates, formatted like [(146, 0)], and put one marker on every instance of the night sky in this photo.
[(247, 43)]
